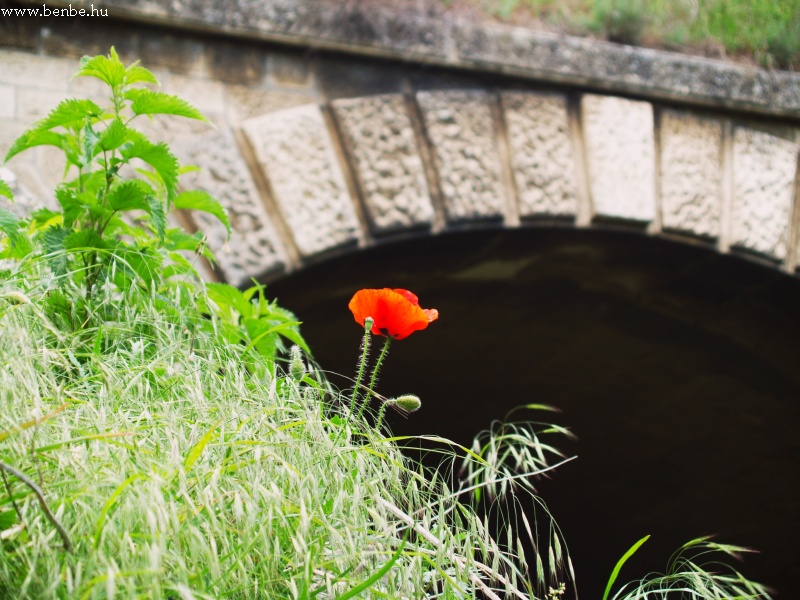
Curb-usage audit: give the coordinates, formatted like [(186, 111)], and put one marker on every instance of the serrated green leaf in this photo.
[(113, 137), (227, 297), (130, 195), (180, 267), (44, 217), (105, 68), (68, 112), (53, 243), (84, 239), (291, 333), (157, 216), (22, 248), (263, 336), (5, 190), (9, 224), (141, 264), (8, 518), (34, 137), (149, 102), (90, 139), (157, 156), (204, 202), (70, 205), (138, 74), (178, 239)]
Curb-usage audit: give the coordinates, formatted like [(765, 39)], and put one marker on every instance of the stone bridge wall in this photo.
[(332, 145)]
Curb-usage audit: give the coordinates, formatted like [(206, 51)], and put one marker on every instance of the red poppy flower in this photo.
[(396, 312)]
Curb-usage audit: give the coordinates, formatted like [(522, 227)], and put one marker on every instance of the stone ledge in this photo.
[(442, 40)]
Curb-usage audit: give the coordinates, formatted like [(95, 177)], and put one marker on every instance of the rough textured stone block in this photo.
[(378, 134), (236, 63), (691, 173), (25, 165), (43, 72), (7, 102), (35, 104), (620, 152), (245, 103), (541, 153), (254, 247), (167, 50), (10, 130), (206, 95), (764, 168), (286, 68), (25, 201), (295, 150), (461, 129)]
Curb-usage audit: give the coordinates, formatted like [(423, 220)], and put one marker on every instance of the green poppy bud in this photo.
[(297, 369), (406, 402)]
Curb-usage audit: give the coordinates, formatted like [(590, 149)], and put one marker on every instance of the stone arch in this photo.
[(312, 180)]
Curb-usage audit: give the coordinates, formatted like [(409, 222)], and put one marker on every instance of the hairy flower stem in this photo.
[(381, 414), (362, 363), (374, 377)]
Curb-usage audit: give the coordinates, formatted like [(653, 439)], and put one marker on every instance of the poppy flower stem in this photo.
[(374, 377), (381, 413), (362, 363)]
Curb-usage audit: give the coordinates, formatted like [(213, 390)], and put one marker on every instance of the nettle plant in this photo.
[(113, 230)]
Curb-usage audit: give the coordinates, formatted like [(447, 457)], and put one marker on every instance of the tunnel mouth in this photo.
[(674, 365)]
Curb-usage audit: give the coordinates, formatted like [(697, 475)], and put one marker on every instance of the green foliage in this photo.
[(118, 191), (690, 574), (5, 190), (112, 229), (177, 473), (618, 567), (248, 318), (622, 21), (765, 30)]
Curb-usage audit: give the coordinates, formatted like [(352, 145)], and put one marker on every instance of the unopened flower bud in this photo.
[(297, 369), (407, 402)]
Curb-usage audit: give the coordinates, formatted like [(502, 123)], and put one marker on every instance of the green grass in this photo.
[(766, 31), (178, 473)]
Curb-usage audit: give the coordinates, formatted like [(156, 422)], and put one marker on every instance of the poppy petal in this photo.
[(396, 312)]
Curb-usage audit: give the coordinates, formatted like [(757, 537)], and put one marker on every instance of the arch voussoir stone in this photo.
[(378, 135), (297, 155), (620, 153), (764, 169), (254, 248), (691, 173), (461, 129), (541, 154), (625, 146)]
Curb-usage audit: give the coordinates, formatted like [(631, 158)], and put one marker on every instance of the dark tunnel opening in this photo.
[(675, 366)]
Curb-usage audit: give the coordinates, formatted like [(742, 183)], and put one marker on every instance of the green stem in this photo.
[(381, 413), (40, 495), (362, 363), (374, 377)]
